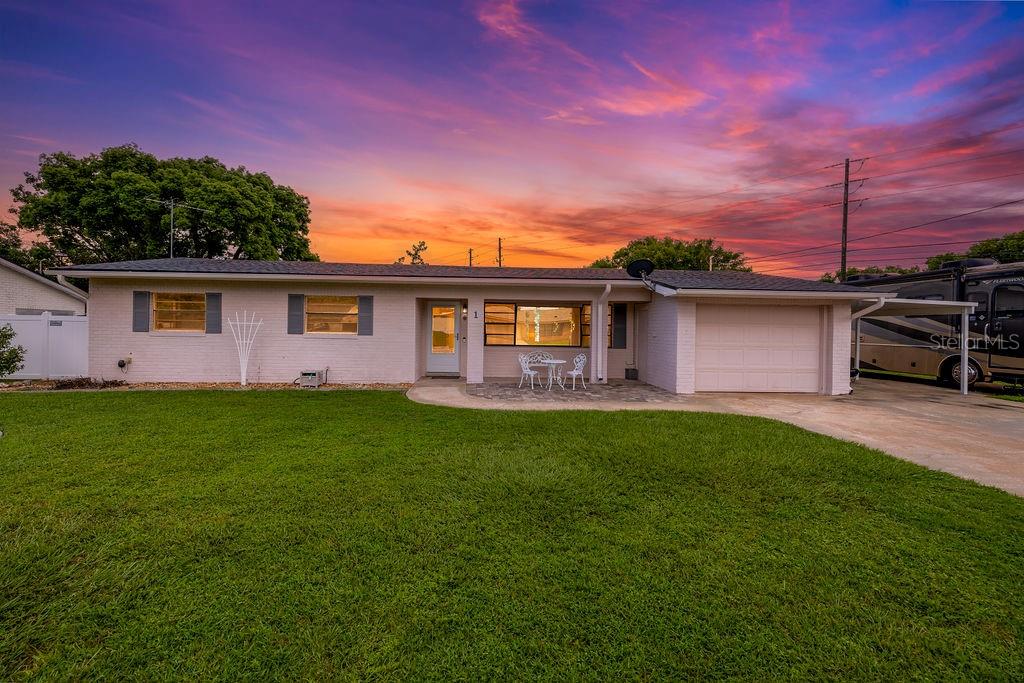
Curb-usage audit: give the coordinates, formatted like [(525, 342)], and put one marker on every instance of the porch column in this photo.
[(965, 332), (595, 338), (599, 337), (475, 340)]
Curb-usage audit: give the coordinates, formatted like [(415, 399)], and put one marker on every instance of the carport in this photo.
[(895, 306)]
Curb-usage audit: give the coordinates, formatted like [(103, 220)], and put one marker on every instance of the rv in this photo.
[(930, 345)]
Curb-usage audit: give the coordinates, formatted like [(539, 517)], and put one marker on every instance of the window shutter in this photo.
[(140, 311), (213, 313), (365, 315), (618, 326), (296, 313)]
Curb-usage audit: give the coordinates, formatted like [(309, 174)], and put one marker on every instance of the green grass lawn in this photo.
[(345, 534)]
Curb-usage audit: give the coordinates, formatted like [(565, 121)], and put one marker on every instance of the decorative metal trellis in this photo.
[(244, 329)]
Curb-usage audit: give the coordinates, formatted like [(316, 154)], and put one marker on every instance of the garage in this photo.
[(758, 348)]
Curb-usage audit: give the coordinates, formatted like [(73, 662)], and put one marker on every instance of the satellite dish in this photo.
[(640, 268)]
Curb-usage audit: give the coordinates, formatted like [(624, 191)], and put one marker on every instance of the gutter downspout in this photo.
[(856, 331), (602, 369)]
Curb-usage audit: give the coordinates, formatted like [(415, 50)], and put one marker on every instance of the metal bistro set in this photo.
[(530, 362)]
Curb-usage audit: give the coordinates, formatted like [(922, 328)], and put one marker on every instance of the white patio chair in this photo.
[(524, 363), (578, 363), (535, 359)]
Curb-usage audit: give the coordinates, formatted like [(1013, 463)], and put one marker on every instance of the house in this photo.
[(23, 292), (684, 331)]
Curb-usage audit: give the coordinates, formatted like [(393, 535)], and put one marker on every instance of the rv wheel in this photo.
[(953, 372)]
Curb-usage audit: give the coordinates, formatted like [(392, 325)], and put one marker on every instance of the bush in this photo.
[(12, 357)]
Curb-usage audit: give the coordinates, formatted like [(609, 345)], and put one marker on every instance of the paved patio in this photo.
[(976, 436), (619, 391)]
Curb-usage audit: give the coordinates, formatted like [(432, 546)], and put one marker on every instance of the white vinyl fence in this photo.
[(55, 345)]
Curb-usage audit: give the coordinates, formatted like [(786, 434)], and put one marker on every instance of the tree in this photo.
[(871, 270), (12, 249), (415, 254), (672, 254), (934, 262), (101, 207), (11, 356), (1006, 249)]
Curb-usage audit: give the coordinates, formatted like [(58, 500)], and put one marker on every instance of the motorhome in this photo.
[(929, 345)]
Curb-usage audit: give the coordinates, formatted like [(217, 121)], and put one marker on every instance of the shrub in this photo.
[(12, 356)]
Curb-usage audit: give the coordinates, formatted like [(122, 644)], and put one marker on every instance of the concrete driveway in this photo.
[(976, 437)]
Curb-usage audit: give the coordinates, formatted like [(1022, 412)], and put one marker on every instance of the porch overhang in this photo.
[(883, 306)]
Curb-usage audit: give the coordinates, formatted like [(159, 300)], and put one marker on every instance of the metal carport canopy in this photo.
[(886, 306)]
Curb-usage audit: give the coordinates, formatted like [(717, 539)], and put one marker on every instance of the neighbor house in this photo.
[(23, 292), (684, 331)]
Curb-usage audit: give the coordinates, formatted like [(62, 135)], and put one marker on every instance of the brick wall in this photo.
[(18, 290)]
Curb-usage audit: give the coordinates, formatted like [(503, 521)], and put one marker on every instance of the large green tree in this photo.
[(13, 249), (113, 206), (1006, 249), (668, 253)]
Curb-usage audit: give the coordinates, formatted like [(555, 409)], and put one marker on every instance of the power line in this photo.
[(862, 260), (944, 163), (878, 155), (781, 178), (685, 215), (931, 187), (897, 246), (889, 232)]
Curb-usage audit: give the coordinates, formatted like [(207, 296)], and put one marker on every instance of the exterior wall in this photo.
[(664, 363), (660, 336), (837, 340), (18, 290), (393, 354), (387, 356)]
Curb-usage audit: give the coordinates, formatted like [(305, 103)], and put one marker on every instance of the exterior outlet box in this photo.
[(311, 379)]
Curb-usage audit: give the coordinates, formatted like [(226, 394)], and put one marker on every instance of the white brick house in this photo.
[(684, 331), (23, 292)]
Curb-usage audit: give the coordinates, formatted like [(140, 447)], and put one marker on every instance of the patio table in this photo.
[(553, 376)]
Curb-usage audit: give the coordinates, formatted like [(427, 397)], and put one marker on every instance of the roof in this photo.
[(675, 279), (73, 293)]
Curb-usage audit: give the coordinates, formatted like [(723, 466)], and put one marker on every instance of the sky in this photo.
[(566, 128)]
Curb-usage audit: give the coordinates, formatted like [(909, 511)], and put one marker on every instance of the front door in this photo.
[(443, 337)]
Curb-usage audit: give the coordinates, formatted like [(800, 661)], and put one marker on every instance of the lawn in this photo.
[(154, 535)]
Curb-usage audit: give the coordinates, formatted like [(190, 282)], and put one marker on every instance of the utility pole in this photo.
[(172, 203), (846, 218), (499, 253), (470, 258), (711, 262)]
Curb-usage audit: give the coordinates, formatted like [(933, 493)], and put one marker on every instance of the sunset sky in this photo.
[(565, 127)]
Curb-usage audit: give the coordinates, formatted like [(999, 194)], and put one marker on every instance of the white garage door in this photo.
[(758, 348)]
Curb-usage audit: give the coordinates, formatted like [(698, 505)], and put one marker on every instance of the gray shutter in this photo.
[(296, 313), (618, 326), (212, 313), (365, 315), (140, 311)]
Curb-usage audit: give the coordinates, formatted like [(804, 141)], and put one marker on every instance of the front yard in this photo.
[(356, 534)]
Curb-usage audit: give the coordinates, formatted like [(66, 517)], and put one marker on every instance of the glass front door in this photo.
[(443, 337)]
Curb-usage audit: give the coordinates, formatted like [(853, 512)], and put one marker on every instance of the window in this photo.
[(332, 314), (1009, 302), (179, 312), (507, 324)]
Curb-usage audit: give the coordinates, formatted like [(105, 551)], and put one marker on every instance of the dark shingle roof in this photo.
[(679, 279)]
